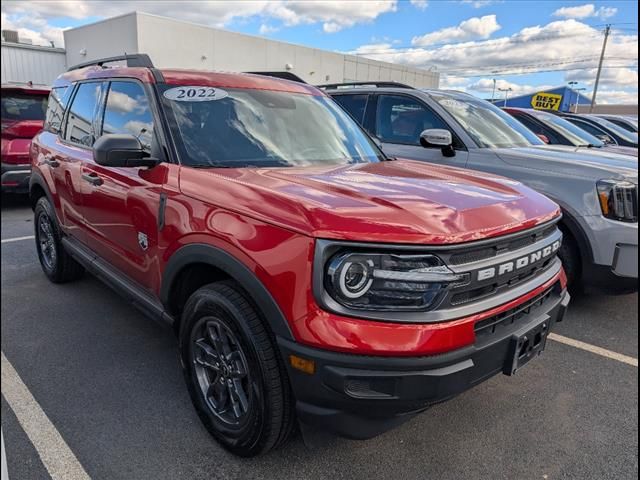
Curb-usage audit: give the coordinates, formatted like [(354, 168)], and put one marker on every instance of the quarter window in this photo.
[(127, 111), (82, 113), (401, 119), (58, 99)]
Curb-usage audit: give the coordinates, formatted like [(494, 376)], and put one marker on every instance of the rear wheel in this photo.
[(234, 375), (57, 264)]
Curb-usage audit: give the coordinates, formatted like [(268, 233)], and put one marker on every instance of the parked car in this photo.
[(304, 272), (602, 128), (597, 192), (23, 110), (555, 130), (625, 121)]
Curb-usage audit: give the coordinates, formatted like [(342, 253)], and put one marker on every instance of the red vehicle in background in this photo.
[(23, 111)]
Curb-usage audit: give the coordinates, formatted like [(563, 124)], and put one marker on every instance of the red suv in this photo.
[(23, 111), (306, 275)]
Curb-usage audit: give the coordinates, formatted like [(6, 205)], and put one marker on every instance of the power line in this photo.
[(529, 72)]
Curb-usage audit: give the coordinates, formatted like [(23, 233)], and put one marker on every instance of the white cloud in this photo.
[(622, 77), (624, 97), (559, 45), (480, 3), (332, 15), (421, 4), (266, 29), (472, 28), (35, 29), (585, 11)]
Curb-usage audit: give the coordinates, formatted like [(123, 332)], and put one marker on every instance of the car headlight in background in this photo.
[(618, 200), (374, 281)]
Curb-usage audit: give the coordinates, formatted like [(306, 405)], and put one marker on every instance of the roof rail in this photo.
[(133, 60), (284, 75), (366, 84)]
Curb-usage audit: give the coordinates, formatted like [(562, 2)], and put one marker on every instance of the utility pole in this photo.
[(607, 30), (493, 93)]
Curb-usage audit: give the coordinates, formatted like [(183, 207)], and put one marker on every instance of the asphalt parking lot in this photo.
[(108, 380)]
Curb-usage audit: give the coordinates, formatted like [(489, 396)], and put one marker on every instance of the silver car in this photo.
[(598, 191)]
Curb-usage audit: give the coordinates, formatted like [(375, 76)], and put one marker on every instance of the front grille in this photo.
[(478, 254), (501, 256), (490, 325)]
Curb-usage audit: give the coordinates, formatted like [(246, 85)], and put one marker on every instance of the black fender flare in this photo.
[(220, 259), (37, 179), (569, 221)]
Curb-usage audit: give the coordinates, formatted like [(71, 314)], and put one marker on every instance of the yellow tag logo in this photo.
[(546, 101)]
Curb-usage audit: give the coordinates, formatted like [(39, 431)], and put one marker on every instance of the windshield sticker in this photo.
[(195, 94), (455, 104)]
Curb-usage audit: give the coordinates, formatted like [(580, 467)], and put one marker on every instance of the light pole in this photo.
[(506, 94), (570, 95), (493, 92), (575, 109)]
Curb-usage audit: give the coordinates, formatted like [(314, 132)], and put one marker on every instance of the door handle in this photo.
[(48, 160), (93, 179)]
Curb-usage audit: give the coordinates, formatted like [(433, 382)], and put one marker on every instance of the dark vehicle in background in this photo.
[(555, 130), (23, 111), (602, 128), (625, 121), (598, 192)]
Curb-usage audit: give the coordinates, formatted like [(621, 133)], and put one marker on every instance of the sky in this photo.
[(524, 45)]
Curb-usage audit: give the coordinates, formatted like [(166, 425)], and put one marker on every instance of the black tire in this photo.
[(571, 260), (57, 264), (221, 310)]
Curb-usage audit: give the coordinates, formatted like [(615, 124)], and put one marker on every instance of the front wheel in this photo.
[(235, 379)]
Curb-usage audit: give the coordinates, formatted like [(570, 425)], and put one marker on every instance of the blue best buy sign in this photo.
[(559, 99)]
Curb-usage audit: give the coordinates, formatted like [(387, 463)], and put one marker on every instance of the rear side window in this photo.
[(401, 119), (354, 104), (593, 130), (23, 106), (82, 114), (58, 100), (538, 129), (127, 111)]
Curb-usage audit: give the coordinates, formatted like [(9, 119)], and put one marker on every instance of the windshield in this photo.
[(262, 128), (20, 106), (621, 132), (489, 126), (571, 132)]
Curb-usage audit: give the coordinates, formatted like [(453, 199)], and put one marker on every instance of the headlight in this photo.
[(618, 200), (372, 281)]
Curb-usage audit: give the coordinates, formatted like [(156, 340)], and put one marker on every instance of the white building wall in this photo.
[(107, 38), (27, 63), (177, 44)]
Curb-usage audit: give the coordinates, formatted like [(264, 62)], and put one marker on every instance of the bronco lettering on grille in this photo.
[(519, 263)]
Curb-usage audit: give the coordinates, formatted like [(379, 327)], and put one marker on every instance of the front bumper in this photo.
[(359, 396), (15, 178), (614, 266)]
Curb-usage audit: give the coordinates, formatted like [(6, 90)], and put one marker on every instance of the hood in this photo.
[(621, 150), (577, 162), (396, 202)]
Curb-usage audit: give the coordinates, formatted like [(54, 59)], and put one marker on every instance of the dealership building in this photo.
[(177, 44)]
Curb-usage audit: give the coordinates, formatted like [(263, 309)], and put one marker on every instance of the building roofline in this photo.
[(28, 46)]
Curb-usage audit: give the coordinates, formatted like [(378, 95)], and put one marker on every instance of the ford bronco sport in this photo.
[(306, 275)]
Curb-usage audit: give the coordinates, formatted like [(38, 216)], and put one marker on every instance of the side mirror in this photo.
[(438, 137), (121, 150), (543, 137)]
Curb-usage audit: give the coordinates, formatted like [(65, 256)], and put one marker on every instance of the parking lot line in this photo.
[(55, 454), (18, 239), (594, 349)]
